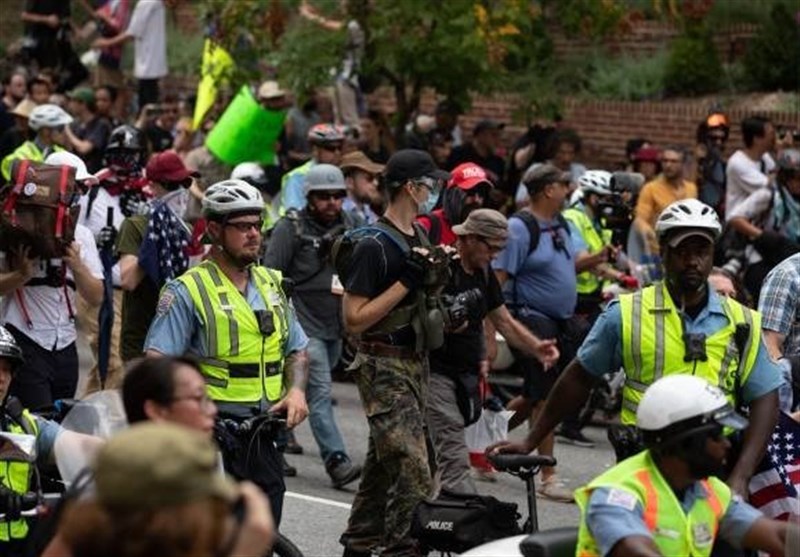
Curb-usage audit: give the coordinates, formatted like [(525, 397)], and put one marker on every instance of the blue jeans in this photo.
[(322, 356)]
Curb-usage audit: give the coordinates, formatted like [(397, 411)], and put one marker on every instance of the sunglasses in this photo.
[(493, 248), (330, 195), (245, 227), (432, 184)]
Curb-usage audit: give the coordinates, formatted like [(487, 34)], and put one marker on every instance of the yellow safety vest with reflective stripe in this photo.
[(242, 364), (588, 282), (27, 151), (16, 476), (675, 532), (652, 346)]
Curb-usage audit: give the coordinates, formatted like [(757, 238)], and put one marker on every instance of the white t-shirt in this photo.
[(50, 324), (753, 208), (744, 176), (149, 27)]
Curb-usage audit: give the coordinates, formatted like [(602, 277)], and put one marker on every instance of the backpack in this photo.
[(535, 231)]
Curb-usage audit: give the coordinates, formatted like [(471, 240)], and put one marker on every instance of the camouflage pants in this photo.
[(396, 475)]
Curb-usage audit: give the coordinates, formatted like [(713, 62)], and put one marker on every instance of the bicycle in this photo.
[(234, 434), (559, 542)]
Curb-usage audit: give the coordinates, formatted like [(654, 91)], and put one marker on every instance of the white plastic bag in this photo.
[(490, 428)]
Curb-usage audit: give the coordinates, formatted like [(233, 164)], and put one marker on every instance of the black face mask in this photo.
[(701, 464)]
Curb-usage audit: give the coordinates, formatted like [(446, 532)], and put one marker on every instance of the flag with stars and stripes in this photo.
[(775, 487)]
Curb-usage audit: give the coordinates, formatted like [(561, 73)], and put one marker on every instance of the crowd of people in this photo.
[(212, 293)]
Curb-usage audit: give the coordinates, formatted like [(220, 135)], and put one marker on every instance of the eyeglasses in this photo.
[(329, 195), (493, 248), (432, 184), (245, 227), (201, 400)]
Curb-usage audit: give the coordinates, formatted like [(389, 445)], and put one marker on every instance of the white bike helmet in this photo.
[(10, 349), (48, 116), (323, 134), (679, 405), (596, 181), (251, 172), (691, 215), (231, 196), (65, 158)]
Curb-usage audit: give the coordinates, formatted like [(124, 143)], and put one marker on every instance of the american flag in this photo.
[(775, 488)]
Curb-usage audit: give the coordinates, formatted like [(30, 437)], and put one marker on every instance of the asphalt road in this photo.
[(315, 514)]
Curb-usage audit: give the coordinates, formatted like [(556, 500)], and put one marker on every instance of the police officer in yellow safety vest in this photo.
[(17, 477), (48, 121), (234, 316), (680, 326), (585, 220), (666, 500)]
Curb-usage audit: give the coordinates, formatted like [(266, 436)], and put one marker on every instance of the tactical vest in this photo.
[(674, 531), (652, 346), (588, 282), (16, 476), (242, 365)]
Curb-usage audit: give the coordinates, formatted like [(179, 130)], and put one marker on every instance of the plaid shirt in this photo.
[(780, 301)]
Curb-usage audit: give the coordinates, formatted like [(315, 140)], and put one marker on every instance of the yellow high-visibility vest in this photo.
[(16, 476), (588, 282), (675, 532), (653, 346), (242, 364)]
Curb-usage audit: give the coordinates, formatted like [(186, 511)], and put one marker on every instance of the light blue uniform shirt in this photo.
[(601, 352), (612, 516)]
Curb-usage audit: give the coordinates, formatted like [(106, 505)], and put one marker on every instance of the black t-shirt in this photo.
[(376, 264), (159, 138), (61, 8), (462, 351), (97, 130)]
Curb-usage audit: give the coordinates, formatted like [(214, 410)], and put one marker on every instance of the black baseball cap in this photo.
[(409, 164)]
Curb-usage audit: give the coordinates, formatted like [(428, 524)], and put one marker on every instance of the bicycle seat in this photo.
[(516, 462), (558, 542)]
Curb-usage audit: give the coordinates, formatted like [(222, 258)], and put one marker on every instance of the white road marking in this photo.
[(320, 500)]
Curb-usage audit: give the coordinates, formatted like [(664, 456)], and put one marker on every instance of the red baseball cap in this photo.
[(468, 175), (168, 167)]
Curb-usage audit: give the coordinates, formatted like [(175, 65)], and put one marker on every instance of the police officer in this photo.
[(17, 477), (327, 143), (300, 247), (383, 287), (48, 121), (234, 317), (665, 500), (679, 326)]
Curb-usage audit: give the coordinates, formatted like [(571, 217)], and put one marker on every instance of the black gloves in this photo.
[(414, 271), (106, 237)]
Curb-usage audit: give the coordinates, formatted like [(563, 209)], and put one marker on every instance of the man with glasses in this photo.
[(538, 271), (327, 142), (473, 294), (384, 304), (466, 191), (299, 247), (656, 195), (234, 316), (48, 122)]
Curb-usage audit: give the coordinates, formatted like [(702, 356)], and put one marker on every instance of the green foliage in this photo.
[(589, 19), (628, 78), (773, 55), (693, 67), (307, 56), (184, 52)]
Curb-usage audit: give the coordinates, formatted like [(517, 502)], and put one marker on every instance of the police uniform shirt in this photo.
[(52, 328), (614, 514), (594, 354), (177, 328)]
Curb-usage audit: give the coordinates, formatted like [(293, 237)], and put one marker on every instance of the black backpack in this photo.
[(535, 230)]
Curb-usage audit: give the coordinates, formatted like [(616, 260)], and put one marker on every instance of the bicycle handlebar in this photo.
[(517, 462), (242, 427)]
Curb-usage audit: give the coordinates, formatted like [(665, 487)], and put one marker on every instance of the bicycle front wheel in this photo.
[(285, 548)]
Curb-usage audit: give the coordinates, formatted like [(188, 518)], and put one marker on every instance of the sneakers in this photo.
[(574, 437), (289, 471), (342, 470), (554, 489)]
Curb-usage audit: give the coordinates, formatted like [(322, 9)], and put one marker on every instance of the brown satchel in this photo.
[(40, 209)]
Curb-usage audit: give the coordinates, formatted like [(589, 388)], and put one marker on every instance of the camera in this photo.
[(460, 307), (695, 346), (266, 325)]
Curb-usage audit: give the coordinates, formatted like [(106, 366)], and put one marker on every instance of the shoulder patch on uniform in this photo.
[(621, 498), (165, 302)]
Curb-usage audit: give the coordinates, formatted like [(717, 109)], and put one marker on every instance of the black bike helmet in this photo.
[(9, 349), (126, 137)]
